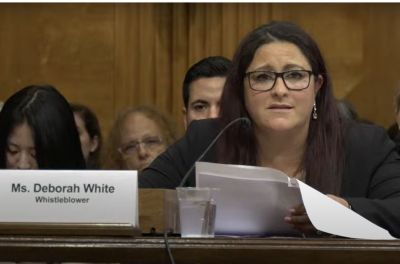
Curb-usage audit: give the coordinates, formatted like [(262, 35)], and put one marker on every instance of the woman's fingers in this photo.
[(301, 223), (299, 219), (298, 210)]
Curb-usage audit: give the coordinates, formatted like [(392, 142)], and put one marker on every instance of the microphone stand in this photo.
[(186, 176)]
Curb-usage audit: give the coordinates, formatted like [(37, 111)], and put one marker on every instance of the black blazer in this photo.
[(371, 176)]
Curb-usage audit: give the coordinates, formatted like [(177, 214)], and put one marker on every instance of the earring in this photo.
[(314, 113)]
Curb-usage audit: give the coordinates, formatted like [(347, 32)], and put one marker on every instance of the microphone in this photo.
[(245, 121)]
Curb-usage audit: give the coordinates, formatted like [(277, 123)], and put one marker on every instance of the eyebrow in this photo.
[(12, 144), (290, 66), (9, 143), (293, 66), (199, 101), (265, 67), (144, 137)]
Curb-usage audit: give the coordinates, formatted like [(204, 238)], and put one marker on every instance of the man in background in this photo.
[(202, 88), (394, 130)]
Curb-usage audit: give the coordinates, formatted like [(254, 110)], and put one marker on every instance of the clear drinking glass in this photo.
[(197, 210)]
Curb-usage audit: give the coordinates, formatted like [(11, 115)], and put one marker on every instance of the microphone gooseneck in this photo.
[(245, 120)]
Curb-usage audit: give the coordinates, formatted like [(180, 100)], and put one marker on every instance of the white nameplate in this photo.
[(69, 197)]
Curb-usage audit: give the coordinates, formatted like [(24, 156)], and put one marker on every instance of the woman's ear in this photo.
[(94, 143), (318, 83)]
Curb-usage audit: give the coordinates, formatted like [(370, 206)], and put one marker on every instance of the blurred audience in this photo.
[(202, 88), (38, 131), (393, 130), (89, 134), (137, 137)]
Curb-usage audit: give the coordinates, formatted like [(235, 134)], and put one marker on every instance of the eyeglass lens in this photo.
[(148, 143), (265, 80)]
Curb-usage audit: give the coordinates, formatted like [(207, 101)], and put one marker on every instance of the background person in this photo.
[(278, 80), (393, 131), (38, 131), (89, 134), (202, 88), (137, 137)]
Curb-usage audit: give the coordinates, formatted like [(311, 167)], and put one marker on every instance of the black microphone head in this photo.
[(246, 121)]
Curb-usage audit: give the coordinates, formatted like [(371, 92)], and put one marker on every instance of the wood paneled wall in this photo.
[(110, 56)]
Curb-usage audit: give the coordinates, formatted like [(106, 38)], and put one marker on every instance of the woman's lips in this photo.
[(280, 107)]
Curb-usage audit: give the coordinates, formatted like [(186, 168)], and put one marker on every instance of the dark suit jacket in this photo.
[(371, 176)]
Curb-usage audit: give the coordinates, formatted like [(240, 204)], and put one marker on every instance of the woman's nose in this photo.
[(142, 151), (24, 162), (279, 88)]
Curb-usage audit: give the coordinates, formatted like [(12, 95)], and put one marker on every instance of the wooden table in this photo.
[(218, 250)]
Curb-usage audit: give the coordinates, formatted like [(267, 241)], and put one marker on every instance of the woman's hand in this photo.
[(299, 219), (339, 200)]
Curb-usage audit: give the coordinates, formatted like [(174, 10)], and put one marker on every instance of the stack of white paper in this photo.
[(251, 201), (254, 201)]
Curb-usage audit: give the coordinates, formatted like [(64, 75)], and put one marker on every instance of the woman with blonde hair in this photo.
[(137, 137)]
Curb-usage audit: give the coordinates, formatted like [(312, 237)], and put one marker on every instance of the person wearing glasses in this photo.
[(137, 137), (278, 80)]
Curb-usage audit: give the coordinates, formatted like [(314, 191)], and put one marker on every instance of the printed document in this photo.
[(253, 201)]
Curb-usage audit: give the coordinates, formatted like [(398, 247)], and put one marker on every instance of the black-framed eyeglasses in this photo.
[(265, 80), (132, 147)]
